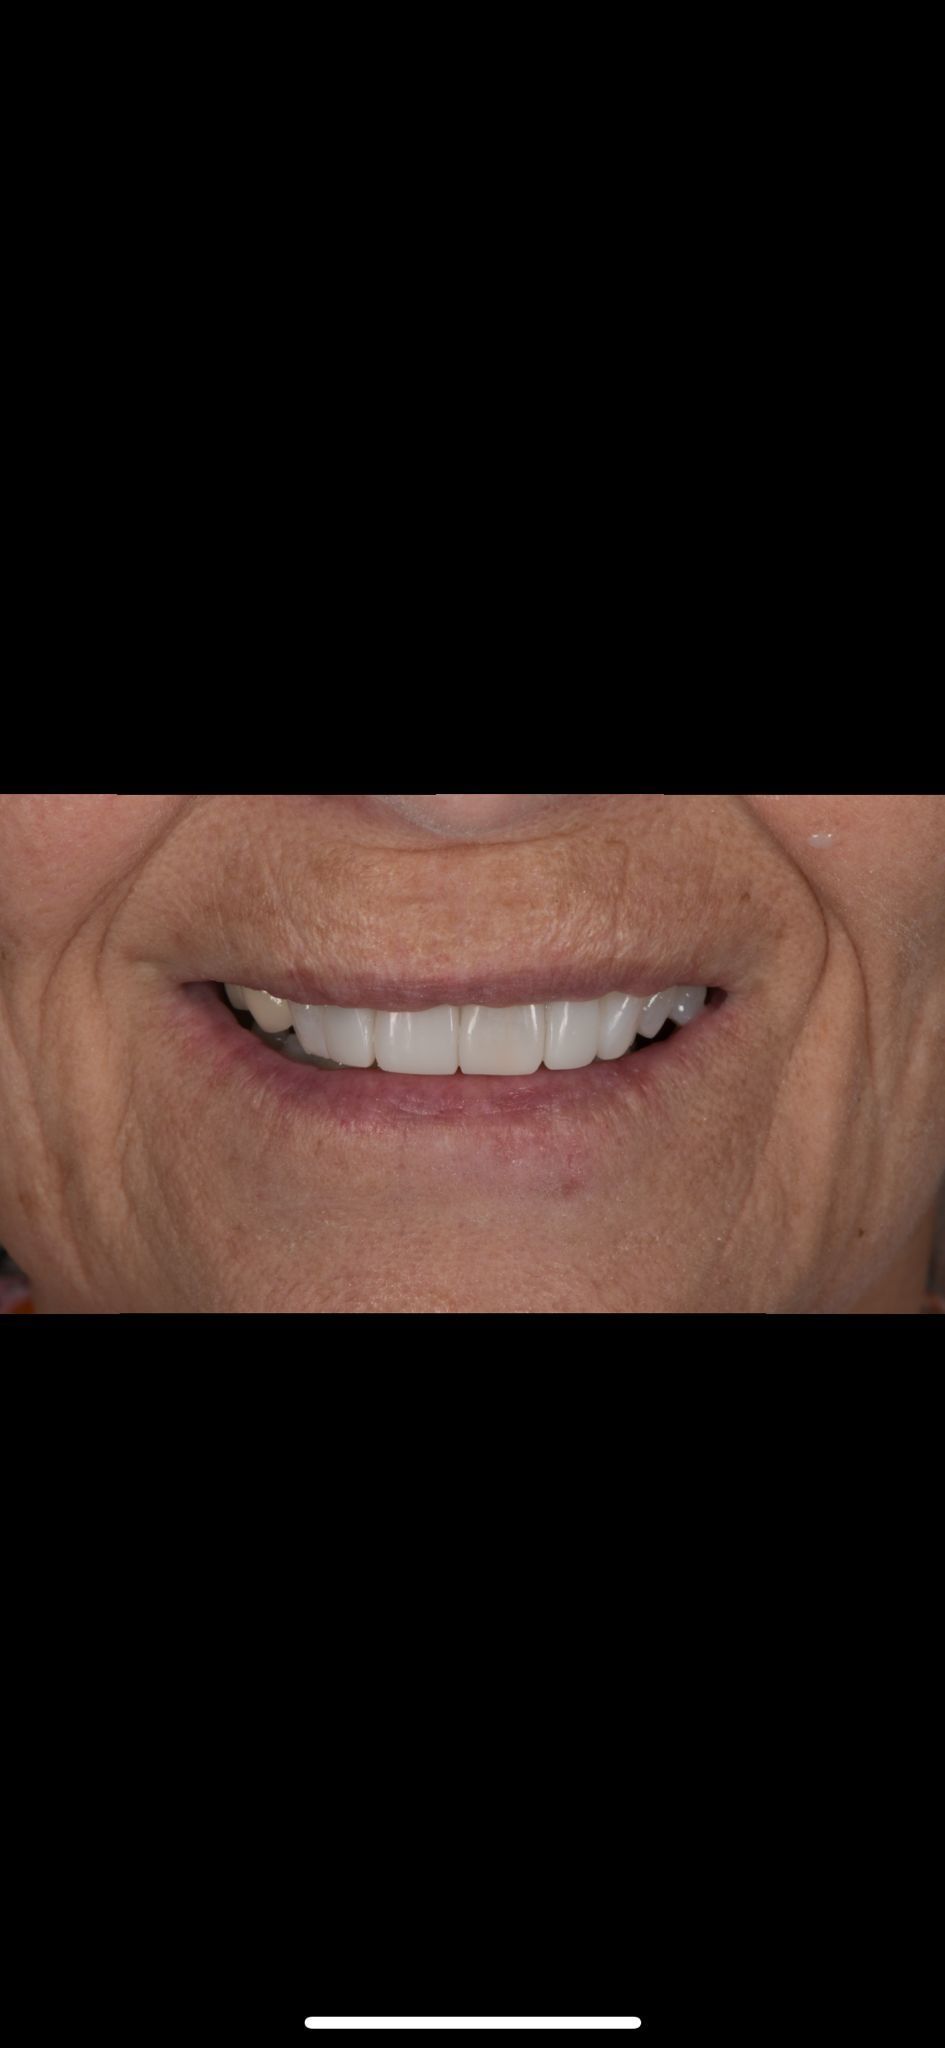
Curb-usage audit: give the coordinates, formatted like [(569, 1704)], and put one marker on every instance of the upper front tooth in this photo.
[(502, 1041), (618, 1025), (572, 1031), (309, 1022), (349, 1035), (418, 1041)]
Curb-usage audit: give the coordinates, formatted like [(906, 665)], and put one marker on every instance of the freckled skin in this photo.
[(126, 1184)]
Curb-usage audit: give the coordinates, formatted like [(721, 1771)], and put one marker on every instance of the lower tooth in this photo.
[(287, 1043), (294, 1051)]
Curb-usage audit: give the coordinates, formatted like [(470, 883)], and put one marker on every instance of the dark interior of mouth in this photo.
[(713, 998), (242, 1016)]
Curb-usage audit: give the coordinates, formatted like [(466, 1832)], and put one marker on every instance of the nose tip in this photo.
[(466, 817)]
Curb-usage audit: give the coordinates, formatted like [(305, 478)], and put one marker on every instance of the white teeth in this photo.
[(686, 1004), (618, 1025), (308, 1022), (271, 1012), (349, 1035), (654, 1013), (475, 1039), (502, 1041), (417, 1041), (572, 1031)]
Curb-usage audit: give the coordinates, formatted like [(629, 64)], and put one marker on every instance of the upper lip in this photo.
[(410, 930), (495, 986)]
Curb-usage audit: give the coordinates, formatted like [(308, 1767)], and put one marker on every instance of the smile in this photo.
[(302, 1097), (472, 1039)]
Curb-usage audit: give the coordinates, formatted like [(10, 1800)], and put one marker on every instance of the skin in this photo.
[(811, 1189)]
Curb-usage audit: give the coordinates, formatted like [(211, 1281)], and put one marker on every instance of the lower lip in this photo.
[(510, 1109)]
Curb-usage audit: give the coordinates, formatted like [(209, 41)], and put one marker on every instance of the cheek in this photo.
[(58, 853), (876, 862)]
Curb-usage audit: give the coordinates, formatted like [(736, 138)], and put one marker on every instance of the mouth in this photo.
[(276, 1067), (354, 923), (467, 1041)]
